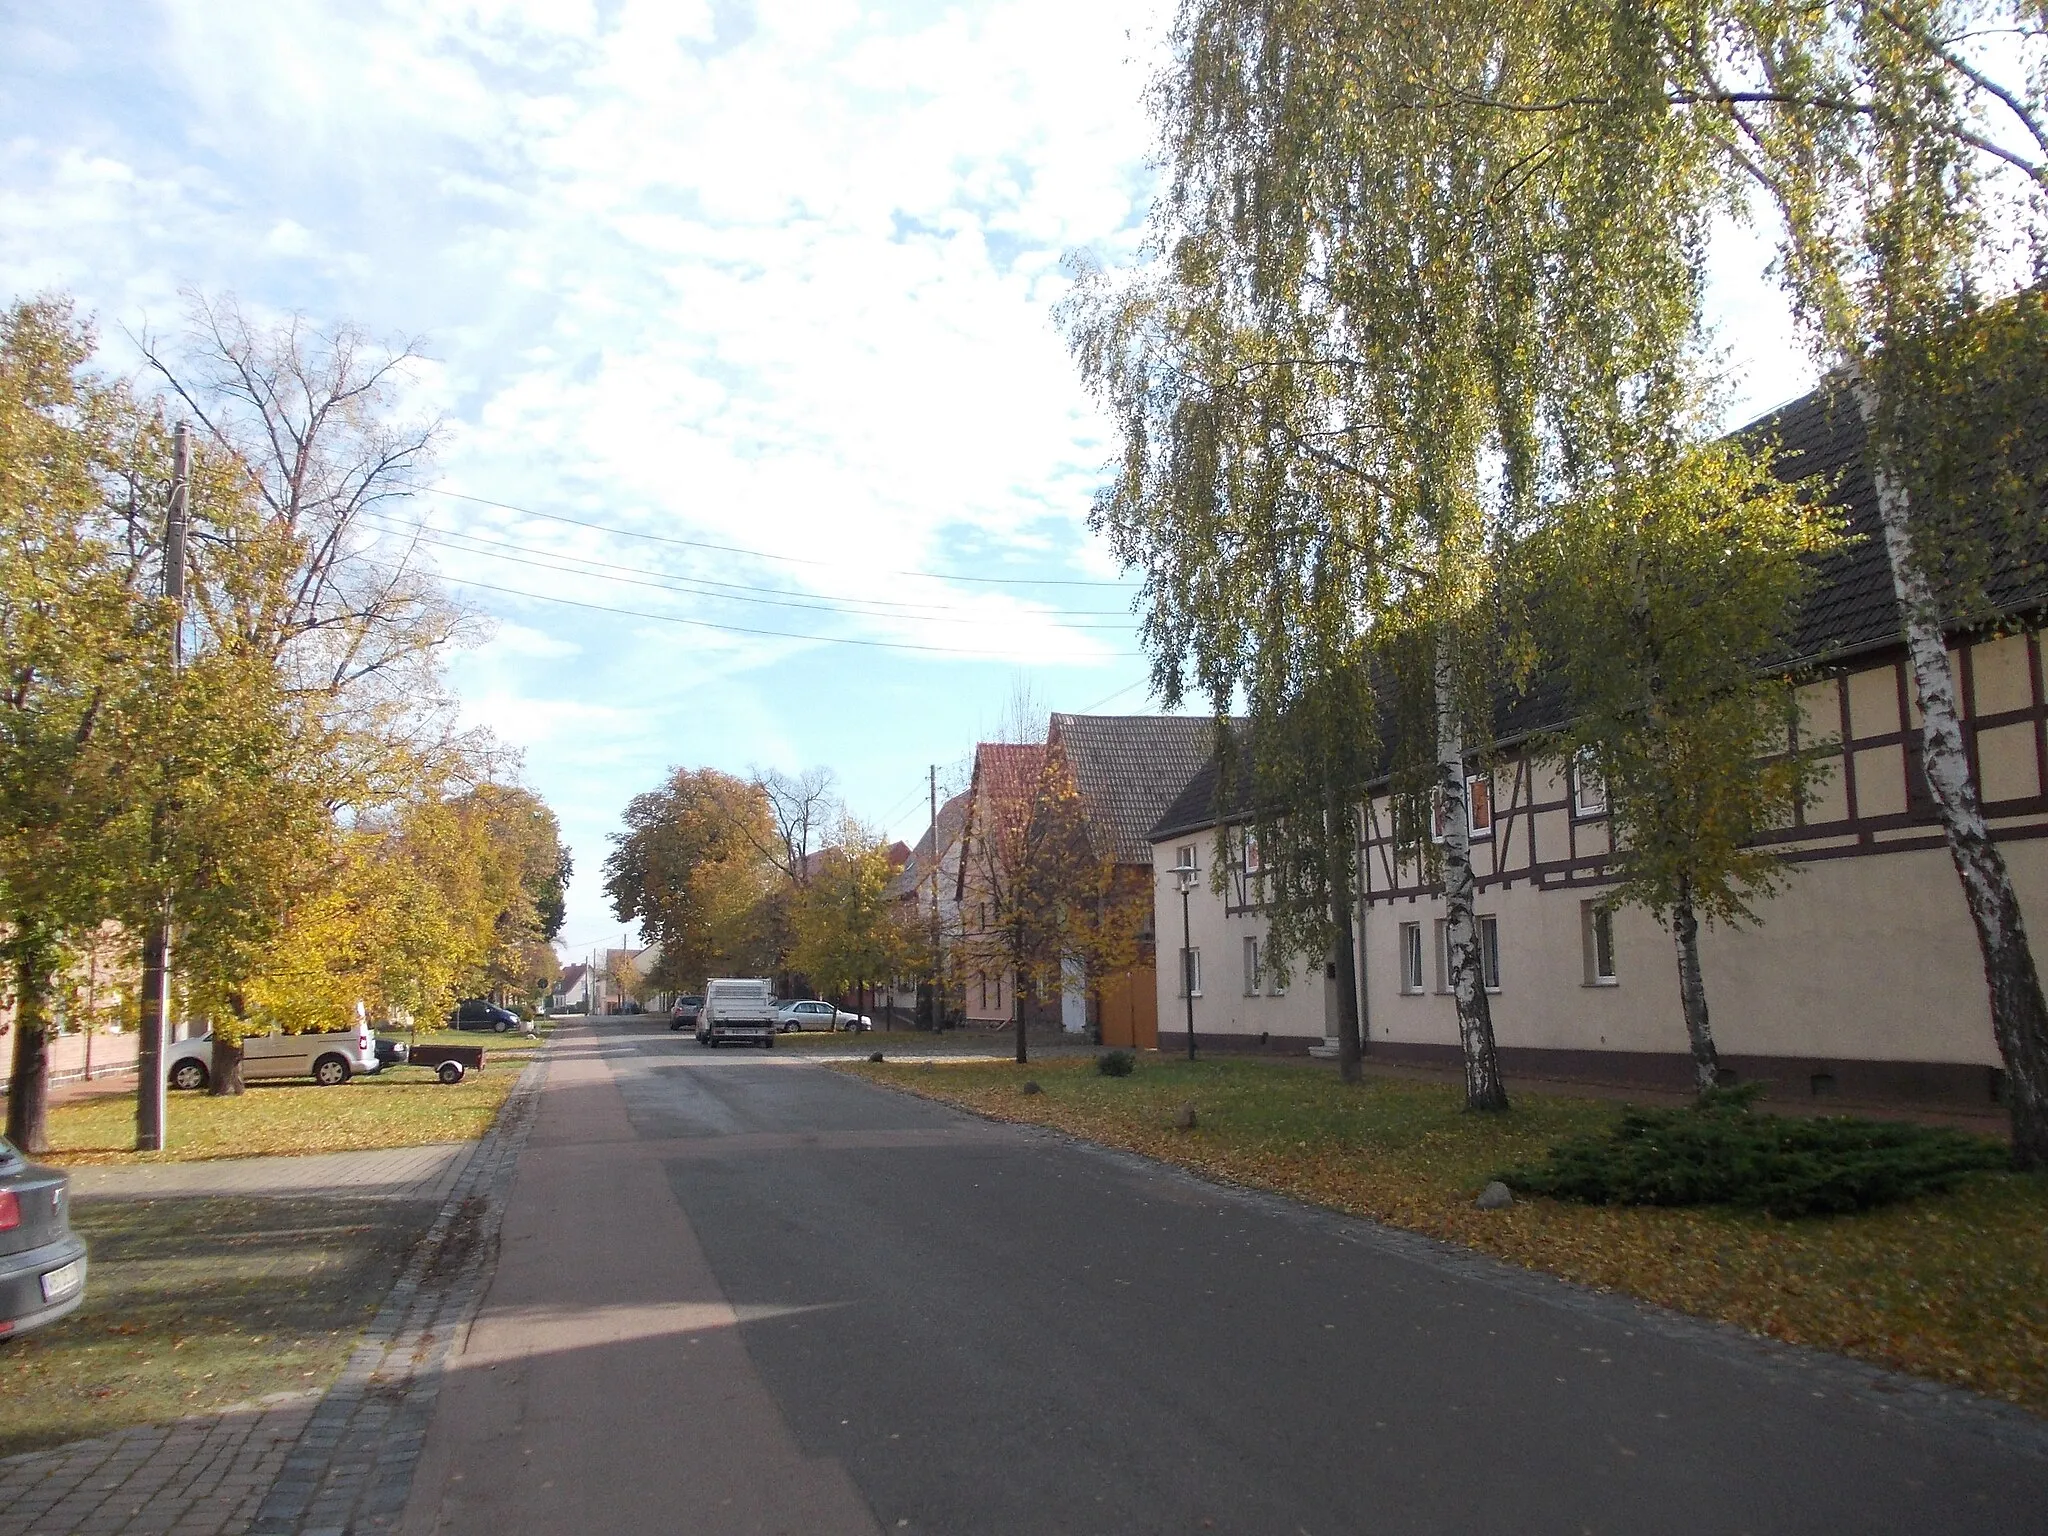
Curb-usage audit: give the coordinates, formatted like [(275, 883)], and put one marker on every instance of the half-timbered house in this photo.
[(1862, 976)]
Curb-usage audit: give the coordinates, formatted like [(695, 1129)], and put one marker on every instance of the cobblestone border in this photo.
[(195, 1476), (351, 1468)]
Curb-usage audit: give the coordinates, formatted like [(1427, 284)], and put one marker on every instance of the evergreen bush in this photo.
[(1719, 1153), (1116, 1063)]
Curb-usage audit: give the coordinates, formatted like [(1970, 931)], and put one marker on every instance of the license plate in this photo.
[(61, 1282)]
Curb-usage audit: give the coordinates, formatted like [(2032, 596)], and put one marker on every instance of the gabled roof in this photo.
[(1128, 769), (941, 835), (1006, 772), (1005, 787), (1852, 608)]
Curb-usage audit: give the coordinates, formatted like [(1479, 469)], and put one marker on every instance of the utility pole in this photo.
[(938, 1017), (156, 943), (1187, 966)]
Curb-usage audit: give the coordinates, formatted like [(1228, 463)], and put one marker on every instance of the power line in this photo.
[(1110, 698), (735, 549), (581, 565), (773, 634)]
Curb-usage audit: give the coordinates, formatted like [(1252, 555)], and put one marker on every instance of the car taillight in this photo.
[(10, 1210)]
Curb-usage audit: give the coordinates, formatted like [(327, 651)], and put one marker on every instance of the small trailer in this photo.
[(448, 1062)]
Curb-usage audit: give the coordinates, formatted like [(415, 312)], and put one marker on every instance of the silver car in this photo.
[(812, 1014), (329, 1059), (42, 1261)]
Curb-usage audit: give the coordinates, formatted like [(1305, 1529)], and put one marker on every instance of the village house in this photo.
[(1862, 977), (998, 809), (1126, 770)]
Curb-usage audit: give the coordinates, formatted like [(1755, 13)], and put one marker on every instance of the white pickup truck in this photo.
[(737, 1008)]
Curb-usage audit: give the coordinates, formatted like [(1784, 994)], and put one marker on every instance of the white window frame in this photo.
[(1473, 831), (1489, 953), (1411, 959), (1191, 970), (1589, 795), (1276, 974), (1596, 923), (1254, 965)]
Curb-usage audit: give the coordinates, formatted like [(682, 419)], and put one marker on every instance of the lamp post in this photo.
[(1184, 876)]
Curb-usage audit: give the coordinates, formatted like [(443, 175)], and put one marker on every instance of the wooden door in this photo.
[(1130, 1008)]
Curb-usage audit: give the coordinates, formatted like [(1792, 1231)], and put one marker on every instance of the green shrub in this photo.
[(1718, 1153), (1116, 1063)]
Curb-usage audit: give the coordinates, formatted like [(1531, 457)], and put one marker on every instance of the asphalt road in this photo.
[(743, 1293)]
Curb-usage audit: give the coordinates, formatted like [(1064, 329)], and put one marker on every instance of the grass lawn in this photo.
[(1953, 1287), (398, 1107), (197, 1304)]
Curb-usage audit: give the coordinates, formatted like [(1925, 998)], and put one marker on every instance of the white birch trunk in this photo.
[(2019, 1014), (1484, 1088), (1692, 991)]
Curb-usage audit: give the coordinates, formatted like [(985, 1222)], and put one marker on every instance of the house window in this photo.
[(1478, 809), (983, 977), (1596, 925), (1489, 954), (1589, 795), (1479, 805), (1411, 957), (1184, 857), (1254, 974), (1276, 976), (1191, 972)]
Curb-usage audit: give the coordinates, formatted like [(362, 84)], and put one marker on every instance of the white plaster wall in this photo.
[(1868, 958), (1219, 934)]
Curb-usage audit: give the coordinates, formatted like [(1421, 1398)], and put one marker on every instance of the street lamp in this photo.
[(1184, 877)]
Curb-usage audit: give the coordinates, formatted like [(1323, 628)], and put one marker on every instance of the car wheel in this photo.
[(330, 1071), (449, 1072), (188, 1075)]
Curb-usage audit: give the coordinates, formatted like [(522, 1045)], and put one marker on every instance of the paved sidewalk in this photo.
[(333, 1461), (397, 1173)]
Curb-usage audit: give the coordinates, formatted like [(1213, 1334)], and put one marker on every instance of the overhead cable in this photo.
[(781, 634), (755, 554)]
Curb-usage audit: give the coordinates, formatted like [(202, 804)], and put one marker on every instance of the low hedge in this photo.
[(1719, 1153)]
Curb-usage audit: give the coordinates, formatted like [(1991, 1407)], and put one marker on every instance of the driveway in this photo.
[(743, 1293)]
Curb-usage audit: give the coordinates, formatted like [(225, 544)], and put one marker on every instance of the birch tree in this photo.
[(1903, 146), (1331, 382), (1670, 595)]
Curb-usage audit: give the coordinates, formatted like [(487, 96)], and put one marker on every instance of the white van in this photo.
[(740, 1008), (328, 1059)]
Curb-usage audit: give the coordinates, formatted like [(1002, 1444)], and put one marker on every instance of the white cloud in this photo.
[(774, 276)]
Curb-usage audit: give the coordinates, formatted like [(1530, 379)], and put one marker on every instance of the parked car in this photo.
[(42, 1261), (812, 1014), (480, 1013), (686, 1012), (329, 1059)]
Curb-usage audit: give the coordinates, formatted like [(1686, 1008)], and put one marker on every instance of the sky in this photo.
[(761, 290)]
